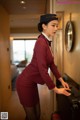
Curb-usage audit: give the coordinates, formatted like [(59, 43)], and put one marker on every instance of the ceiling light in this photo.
[(22, 2)]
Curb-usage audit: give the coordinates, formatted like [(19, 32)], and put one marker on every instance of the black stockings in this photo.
[(32, 113)]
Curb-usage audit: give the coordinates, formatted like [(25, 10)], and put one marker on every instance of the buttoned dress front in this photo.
[(36, 73)]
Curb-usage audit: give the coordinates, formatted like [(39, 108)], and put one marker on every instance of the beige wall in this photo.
[(72, 59), (5, 84)]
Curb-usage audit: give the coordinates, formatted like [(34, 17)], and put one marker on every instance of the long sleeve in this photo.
[(40, 51), (55, 70)]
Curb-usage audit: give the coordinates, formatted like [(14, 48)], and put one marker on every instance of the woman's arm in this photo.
[(40, 53), (57, 75), (54, 70)]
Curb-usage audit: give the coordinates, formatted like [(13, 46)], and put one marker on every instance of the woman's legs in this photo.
[(30, 113), (38, 111), (33, 113)]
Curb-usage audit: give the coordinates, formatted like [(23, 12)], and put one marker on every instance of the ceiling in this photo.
[(25, 14)]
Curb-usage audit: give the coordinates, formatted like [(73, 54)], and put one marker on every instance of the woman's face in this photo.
[(51, 28)]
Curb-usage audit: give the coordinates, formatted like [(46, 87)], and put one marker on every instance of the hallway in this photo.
[(16, 112), (14, 24)]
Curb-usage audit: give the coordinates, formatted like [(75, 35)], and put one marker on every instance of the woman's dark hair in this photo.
[(45, 19), (40, 29)]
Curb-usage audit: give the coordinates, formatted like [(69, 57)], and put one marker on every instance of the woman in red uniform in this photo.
[(37, 71)]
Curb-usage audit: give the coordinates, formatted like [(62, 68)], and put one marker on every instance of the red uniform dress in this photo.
[(36, 73)]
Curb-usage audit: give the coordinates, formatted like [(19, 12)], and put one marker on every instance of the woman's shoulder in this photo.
[(41, 43), (41, 40)]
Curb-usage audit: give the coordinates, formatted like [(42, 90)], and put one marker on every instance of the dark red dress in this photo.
[(36, 73)]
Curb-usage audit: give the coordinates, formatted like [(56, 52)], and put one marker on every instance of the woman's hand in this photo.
[(64, 91), (64, 84)]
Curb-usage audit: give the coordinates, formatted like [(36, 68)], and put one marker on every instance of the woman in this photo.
[(37, 71)]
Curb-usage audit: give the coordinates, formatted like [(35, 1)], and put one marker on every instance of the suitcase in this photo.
[(69, 107)]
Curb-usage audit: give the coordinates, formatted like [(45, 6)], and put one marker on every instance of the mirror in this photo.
[(69, 36)]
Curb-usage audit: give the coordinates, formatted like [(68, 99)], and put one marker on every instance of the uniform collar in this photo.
[(46, 37)]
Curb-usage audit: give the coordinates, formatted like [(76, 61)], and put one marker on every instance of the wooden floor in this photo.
[(16, 112)]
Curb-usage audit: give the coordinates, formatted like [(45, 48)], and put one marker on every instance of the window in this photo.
[(23, 50)]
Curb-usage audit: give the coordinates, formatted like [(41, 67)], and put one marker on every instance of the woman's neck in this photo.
[(48, 37)]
